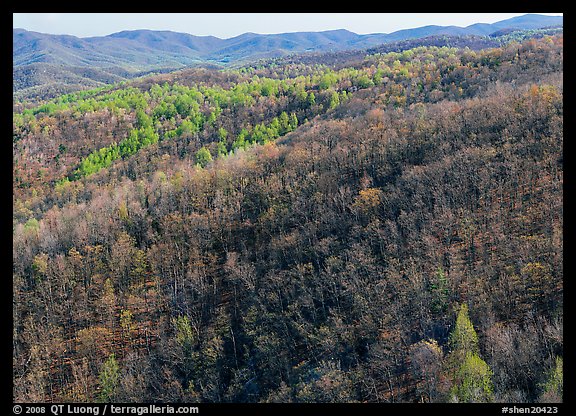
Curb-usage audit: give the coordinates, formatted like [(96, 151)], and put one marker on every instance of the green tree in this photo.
[(187, 128), (293, 121), (222, 149), (109, 378), (327, 80), (554, 386), (127, 323), (203, 157), (311, 99), (32, 226), (222, 134), (284, 123), (463, 338), (139, 267), (334, 100), (471, 375), (440, 292), (147, 136), (187, 341), (363, 81), (143, 120), (184, 335), (474, 381)]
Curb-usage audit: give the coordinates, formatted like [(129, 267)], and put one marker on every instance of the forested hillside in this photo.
[(47, 65), (384, 229)]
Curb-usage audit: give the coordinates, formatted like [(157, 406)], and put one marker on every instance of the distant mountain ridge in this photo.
[(146, 49), (41, 60)]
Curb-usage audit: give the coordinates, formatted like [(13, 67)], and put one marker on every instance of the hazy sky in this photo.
[(226, 25)]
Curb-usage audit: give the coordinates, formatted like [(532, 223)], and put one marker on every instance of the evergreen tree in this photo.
[(109, 378)]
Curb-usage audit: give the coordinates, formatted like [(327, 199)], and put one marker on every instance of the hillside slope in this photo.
[(138, 51), (388, 231)]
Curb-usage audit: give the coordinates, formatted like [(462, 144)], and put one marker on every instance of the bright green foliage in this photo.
[(327, 80), (203, 157), (103, 157), (127, 322), (170, 134), (284, 122), (138, 139), (147, 136), (213, 116), (187, 127), (241, 141), (129, 145), (474, 381), (165, 110), (109, 378), (274, 126), (554, 386), (463, 339), (378, 76), (143, 120), (363, 81), (97, 160), (293, 121), (269, 87), (334, 100), (240, 95), (185, 105), (311, 99), (301, 95), (263, 133), (32, 225), (222, 134), (222, 149), (184, 335), (153, 108), (50, 108), (259, 133)]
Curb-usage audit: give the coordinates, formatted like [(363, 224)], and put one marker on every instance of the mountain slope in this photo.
[(529, 21), (130, 53), (218, 249), (147, 48)]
